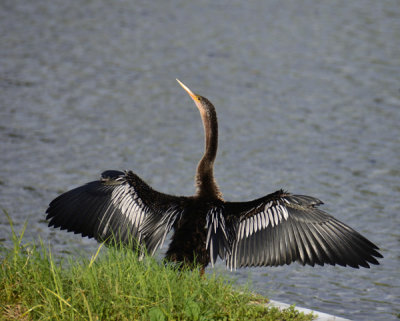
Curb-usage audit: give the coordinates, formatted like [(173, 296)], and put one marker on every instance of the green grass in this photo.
[(115, 285)]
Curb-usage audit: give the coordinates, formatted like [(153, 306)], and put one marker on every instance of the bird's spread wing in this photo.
[(119, 206), (281, 228), (219, 235)]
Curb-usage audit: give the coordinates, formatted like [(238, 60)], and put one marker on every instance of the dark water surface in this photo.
[(308, 99)]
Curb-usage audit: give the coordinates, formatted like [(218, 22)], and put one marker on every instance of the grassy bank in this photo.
[(114, 285)]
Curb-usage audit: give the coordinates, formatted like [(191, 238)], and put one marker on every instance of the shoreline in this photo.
[(320, 316)]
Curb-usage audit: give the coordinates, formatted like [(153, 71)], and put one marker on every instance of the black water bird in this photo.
[(273, 230)]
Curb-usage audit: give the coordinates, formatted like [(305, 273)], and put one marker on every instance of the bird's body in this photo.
[(276, 229), (188, 243)]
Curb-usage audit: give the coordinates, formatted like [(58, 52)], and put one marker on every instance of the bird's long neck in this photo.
[(205, 181)]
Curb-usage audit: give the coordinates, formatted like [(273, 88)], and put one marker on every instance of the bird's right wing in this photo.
[(281, 228), (120, 206)]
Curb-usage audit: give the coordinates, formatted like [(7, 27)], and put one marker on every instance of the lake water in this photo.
[(307, 94)]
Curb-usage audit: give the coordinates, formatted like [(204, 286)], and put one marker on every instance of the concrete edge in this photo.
[(320, 315)]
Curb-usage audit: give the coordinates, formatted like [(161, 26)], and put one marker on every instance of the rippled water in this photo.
[(308, 100)]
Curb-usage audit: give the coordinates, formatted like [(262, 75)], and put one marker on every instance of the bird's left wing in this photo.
[(281, 228), (120, 206)]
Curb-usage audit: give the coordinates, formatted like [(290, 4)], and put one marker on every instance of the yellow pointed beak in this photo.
[(191, 94)]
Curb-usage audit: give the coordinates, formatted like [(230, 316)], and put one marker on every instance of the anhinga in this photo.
[(273, 230)]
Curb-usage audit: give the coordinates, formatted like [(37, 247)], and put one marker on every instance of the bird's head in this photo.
[(202, 103)]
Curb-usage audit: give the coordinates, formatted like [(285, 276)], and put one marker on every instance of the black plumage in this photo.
[(276, 229)]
